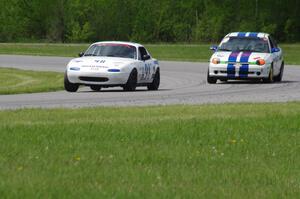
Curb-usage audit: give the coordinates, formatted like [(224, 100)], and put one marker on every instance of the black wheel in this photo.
[(223, 80), (278, 78), (211, 80), (269, 79), (155, 83), (70, 87), (95, 87), (131, 82)]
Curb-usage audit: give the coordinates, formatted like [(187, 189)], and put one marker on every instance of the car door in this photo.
[(276, 55), (145, 69)]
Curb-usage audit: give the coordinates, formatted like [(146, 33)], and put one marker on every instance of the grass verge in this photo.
[(172, 52), (15, 81), (212, 151)]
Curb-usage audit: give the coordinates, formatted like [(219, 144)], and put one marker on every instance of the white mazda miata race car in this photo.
[(246, 56), (110, 64)]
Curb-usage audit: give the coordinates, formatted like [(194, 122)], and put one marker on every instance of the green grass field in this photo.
[(209, 151), (291, 53), (175, 52), (14, 81)]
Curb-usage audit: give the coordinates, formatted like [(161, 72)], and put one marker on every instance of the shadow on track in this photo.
[(255, 82), (122, 91)]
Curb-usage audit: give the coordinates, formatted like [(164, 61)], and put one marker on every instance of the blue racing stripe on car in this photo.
[(241, 34), (230, 67), (253, 34), (244, 69)]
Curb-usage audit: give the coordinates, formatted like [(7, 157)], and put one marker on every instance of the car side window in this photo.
[(273, 43), (142, 52)]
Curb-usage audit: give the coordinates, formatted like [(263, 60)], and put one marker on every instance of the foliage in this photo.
[(145, 20)]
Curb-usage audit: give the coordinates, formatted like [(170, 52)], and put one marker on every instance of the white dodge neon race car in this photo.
[(110, 64), (246, 55)]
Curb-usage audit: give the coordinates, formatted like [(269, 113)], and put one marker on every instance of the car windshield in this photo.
[(112, 50), (245, 44)]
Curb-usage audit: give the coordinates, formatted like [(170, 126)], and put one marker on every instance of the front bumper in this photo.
[(239, 71), (97, 78)]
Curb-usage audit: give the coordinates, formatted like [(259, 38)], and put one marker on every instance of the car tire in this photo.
[(131, 82), (95, 87), (70, 87), (155, 83), (270, 78), (211, 80), (223, 80), (278, 78)]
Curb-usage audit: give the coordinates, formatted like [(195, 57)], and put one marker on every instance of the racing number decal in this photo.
[(146, 71), (100, 61)]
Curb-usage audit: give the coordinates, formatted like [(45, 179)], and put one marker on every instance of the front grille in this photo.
[(242, 63), (233, 72), (94, 79), (245, 72)]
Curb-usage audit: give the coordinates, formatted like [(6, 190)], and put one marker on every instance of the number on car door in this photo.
[(146, 64)]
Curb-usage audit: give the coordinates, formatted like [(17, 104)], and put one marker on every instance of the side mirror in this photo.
[(146, 57), (81, 54), (214, 48), (275, 50)]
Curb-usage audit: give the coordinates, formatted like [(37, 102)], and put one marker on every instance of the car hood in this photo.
[(106, 62), (240, 56)]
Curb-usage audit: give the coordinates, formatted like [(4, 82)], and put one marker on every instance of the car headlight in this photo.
[(114, 70), (261, 62), (215, 61), (75, 68)]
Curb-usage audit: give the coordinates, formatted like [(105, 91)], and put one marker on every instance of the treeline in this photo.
[(145, 20)]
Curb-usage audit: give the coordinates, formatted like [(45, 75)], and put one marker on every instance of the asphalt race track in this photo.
[(181, 83)]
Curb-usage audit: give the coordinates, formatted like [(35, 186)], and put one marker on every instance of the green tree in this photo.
[(145, 20)]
